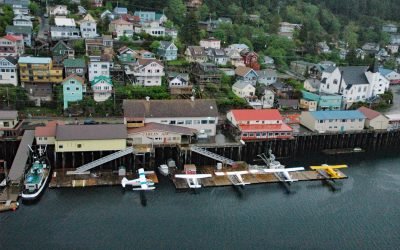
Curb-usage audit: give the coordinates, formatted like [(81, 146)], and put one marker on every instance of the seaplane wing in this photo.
[(235, 177), (328, 171), (193, 179), (283, 173), (145, 184)]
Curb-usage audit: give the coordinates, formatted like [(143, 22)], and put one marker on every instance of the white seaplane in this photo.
[(193, 179), (142, 181), (283, 174), (235, 177)]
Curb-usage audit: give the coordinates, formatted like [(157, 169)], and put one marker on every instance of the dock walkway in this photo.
[(10, 194), (219, 181)]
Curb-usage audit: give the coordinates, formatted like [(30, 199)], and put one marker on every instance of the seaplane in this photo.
[(235, 177), (329, 171), (283, 174), (193, 179), (142, 182)]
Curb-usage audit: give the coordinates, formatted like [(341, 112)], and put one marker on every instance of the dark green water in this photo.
[(364, 214)]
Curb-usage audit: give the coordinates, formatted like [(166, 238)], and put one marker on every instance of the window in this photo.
[(6, 124), (188, 122), (60, 146), (172, 122), (180, 122), (196, 121), (244, 134), (203, 121), (343, 120), (79, 145), (211, 121)]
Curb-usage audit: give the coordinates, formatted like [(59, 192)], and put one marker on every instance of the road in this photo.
[(44, 28), (395, 108)]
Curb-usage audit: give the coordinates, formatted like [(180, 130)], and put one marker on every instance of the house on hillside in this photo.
[(88, 27), (167, 51), (246, 74), (210, 43), (389, 28), (198, 114), (320, 101), (196, 54), (58, 10), (259, 124), (102, 88), (179, 84), (146, 72), (217, 56), (75, 66), (120, 27), (391, 75), (98, 66), (250, 59), (12, 45), (61, 51), (8, 69), (73, 88), (24, 31), (64, 33), (312, 84), (267, 76), (22, 20), (243, 89), (204, 73)]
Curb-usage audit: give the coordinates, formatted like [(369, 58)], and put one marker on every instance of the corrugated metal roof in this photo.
[(91, 132), (256, 114), (8, 114), (340, 114), (36, 60)]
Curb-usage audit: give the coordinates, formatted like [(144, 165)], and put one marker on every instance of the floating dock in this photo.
[(10, 194), (220, 181), (61, 179)]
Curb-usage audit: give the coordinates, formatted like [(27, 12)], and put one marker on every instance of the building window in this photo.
[(188, 122), (60, 146), (79, 145), (203, 121), (172, 122), (211, 121)]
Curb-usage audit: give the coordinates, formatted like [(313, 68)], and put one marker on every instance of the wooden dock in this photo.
[(60, 178), (220, 181)]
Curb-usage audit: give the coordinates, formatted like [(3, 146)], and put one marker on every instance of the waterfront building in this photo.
[(259, 124), (320, 101), (73, 88), (201, 114), (333, 121), (8, 71), (89, 138), (374, 119), (46, 135), (160, 134), (8, 120), (394, 121)]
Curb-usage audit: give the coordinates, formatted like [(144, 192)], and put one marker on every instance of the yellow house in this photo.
[(81, 138)]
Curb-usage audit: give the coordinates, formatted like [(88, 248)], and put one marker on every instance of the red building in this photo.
[(250, 59), (259, 124)]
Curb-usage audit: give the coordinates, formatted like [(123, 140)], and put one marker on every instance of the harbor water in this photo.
[(363, 214)]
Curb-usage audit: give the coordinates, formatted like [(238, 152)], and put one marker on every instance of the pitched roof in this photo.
[(339, 114), (197, 51), (256, 114), (265, 127), (61, 42), (241, 84), (91, 132), (151, 126), (74, 63), (8, 114), (170, 108), (120, 22), (11, 59), (353, 75), (145, 61), (369, 113), (88, 18), (49, 130), (165, 44), (101, 78), (13, 38), (73, 76), (243, 71)]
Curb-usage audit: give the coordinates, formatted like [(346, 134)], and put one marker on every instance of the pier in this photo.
[(10, 194), (220, 181)]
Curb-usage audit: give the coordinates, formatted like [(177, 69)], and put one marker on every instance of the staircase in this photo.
[(212, 155), (82, 169)]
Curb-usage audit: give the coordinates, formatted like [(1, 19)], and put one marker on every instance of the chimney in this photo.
[(147, 98), (192, 98)]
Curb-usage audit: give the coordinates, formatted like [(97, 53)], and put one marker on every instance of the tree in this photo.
[(203, 12), (176, 11), (154, 46), (34, 8), (190, 33)]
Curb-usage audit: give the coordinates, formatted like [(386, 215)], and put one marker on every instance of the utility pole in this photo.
[(8, 99)]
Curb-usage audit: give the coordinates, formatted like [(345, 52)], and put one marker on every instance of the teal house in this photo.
[(167, 51), (73, 88), (320, 101)]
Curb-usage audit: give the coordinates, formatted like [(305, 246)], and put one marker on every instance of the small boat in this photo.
[(37, 176), (164, 169)]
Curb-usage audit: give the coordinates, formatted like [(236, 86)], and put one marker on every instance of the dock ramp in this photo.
[(84, 168), (17, 170), (212, 155)]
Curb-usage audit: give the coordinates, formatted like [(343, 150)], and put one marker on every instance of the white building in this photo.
[(58, 10), (201, 115), (88, 27), (333, 121), (210, 43), (102, 88), (98, 67), (354, 83), (64, 33), (243, 89), (8, 71), (22, 20), (151, 28), (146, 72), (374, 119), (267, 76)]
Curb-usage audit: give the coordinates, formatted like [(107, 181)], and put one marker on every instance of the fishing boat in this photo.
[(37, 176)]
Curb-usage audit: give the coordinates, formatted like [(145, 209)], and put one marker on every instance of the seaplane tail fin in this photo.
[(124, 181), (328, 167)]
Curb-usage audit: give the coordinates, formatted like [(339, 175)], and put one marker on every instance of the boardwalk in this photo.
[(18, 166), (219, 181)]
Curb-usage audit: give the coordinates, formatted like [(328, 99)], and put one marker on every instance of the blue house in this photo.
[(73, 88), (320, 101), (167, 51), (119, 11), (150, 16), (246, 74)]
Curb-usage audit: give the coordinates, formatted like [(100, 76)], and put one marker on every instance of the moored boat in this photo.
[(37, 176)]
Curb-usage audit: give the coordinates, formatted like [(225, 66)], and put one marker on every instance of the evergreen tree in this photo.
[(176, 11), (190, 33)]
